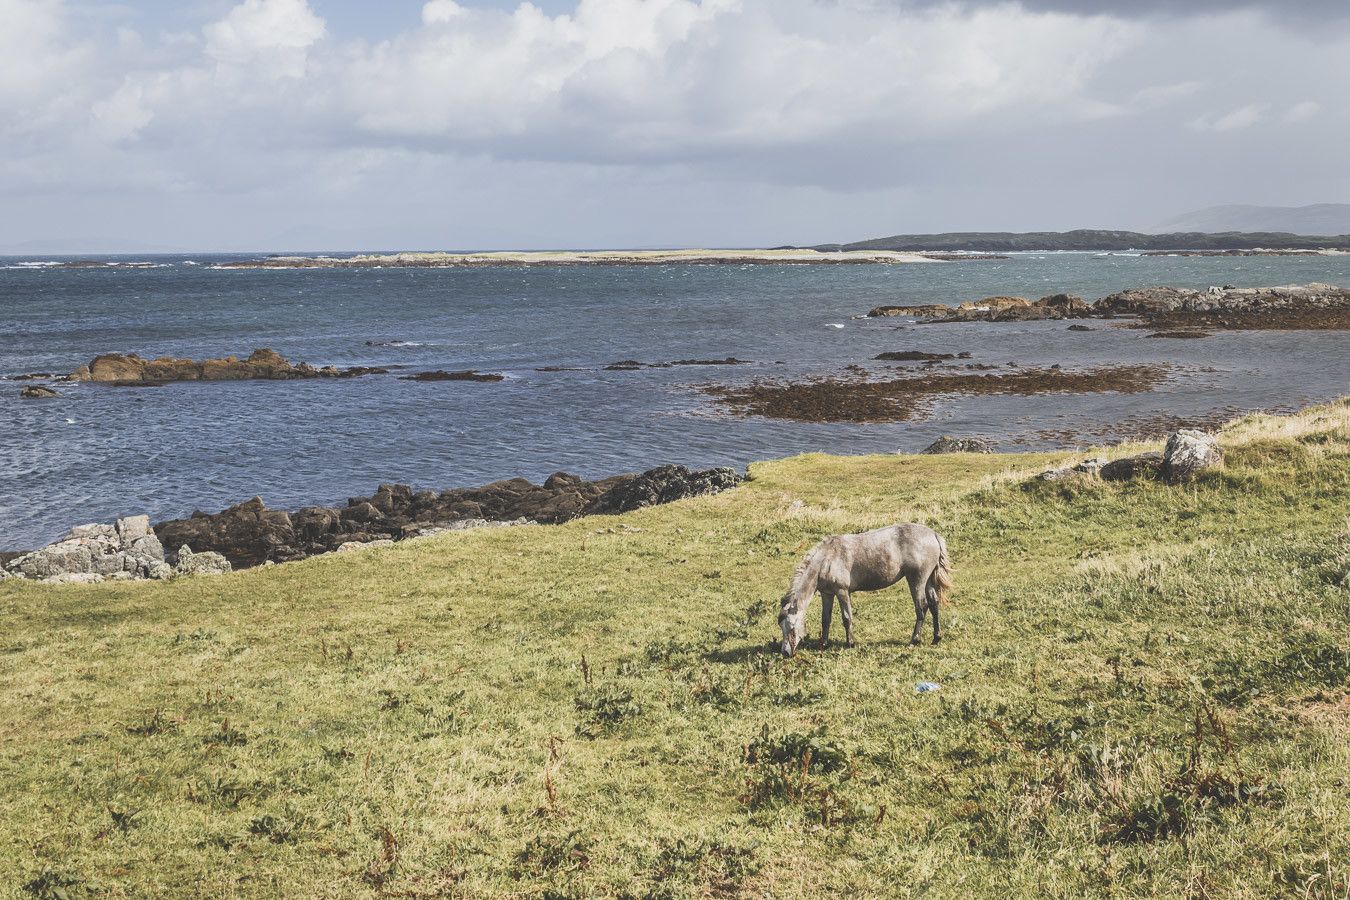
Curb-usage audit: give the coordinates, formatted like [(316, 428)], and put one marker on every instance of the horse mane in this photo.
[(804, 579)]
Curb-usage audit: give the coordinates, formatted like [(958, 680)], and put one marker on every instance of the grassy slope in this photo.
[(1143, 694)]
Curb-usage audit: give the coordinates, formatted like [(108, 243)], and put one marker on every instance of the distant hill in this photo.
[(1320, 218), (1087, 239)]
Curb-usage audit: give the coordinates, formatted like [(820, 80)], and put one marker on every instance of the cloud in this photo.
[(868, 99), (1303, 111), (1242, 117), (274, 34)]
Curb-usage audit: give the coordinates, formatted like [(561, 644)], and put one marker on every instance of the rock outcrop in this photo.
[(125, 550), (946, 444), (37, 392), (441, 375), (1145, 465), (250, 534), (117, 368), (205, 563), (1189, 452)]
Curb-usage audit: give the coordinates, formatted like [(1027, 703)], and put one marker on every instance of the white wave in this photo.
[(834, 325)]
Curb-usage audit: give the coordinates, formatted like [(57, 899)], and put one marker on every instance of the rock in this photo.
[(1066, 303), (946, 444), (1130, 467), (1081, 328), (912, 356), (991, 303), (37, 392), (246, 534), (917, 312), (118, 368), (250, 534), (440, 375), (1188, 452), (1089, 467), (664, 484), (352, 546), (205, 563)]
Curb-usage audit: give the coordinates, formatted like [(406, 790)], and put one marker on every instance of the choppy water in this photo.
[(99, 452)]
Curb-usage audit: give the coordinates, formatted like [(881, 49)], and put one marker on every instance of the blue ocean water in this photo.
[(99, 452)]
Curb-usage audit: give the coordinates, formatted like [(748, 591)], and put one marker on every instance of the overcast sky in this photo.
[(307, 124)]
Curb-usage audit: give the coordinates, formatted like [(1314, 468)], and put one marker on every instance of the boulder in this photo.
[(1130, 467), (1189, 452), (664, 484), (205, 563), (247, 534), (946, 444), (126, 549), (37, 392), (1066, 303)]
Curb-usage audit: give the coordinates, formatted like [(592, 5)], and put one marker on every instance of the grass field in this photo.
[(1144, 693)]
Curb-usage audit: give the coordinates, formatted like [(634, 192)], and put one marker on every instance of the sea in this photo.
[(99, 452)]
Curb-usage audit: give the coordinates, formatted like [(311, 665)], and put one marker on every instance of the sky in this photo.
[(477, 124)]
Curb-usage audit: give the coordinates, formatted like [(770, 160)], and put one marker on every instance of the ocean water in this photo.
[(99, 452)]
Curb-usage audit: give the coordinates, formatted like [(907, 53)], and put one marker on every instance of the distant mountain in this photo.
[(1085, 239), (1320, 218)]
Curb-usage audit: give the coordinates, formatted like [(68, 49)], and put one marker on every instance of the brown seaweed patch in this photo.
[(841, 399), (1179, 334), (440, 375), (1311, 319)]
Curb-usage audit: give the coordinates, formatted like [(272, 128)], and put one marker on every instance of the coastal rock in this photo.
[(1188, 452), (247, 534), (1081, 328), (991, 303), (128, 549), (1131, 467), (37, 392), (665, 484), (1089, 467), (918, 312), (206, 563), (946, 444), (118, 368), (440, 375), (250, 534)]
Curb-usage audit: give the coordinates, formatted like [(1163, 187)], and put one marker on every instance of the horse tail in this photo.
[(804, 579), (940, 582)]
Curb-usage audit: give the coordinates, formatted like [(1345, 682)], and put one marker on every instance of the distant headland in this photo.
[(1099, 241)]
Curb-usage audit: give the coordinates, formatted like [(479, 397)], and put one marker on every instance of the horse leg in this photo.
[(846, 610), (826, 614), (920, 607), (933, 608)]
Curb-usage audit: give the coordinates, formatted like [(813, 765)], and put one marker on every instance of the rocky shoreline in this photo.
[(1290, 307), (249, 534)]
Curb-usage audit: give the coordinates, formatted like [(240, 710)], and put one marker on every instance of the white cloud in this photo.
[(1302, 111), (274, 34), (1242, 117), (845, 95)]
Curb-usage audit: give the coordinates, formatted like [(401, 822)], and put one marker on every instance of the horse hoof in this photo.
[(822, 645)]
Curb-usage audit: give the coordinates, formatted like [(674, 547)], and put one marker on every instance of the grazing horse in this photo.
[(869, 561)]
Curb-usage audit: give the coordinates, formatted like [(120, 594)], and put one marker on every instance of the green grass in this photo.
[(1144, 692)]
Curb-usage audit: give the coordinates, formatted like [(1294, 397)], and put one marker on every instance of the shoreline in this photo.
[(437, 260)]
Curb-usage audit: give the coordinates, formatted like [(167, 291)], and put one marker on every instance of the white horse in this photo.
[(869, 561)]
